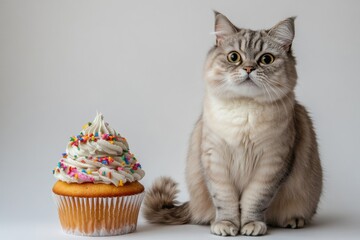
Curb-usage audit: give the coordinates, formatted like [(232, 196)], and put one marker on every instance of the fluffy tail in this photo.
[(160, 205)]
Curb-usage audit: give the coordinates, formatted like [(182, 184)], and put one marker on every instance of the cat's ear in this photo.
[(223, 28), (284, 32)]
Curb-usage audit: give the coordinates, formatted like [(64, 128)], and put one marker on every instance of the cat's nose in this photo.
[(249, 69)]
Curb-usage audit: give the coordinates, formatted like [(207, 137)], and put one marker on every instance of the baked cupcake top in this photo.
[(99, 155)]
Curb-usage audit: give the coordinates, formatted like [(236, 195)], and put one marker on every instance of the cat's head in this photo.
[(251, 64)]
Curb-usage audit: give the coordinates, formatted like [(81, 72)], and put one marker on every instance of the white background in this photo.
[(140, 64)]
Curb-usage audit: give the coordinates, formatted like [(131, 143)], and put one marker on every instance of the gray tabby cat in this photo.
[(253, 158)]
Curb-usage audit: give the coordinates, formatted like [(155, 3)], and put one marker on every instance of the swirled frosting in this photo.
[(100, 155)]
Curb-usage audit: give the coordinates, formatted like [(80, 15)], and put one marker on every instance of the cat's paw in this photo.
[(254, 228), (224, 228), (295, 223)]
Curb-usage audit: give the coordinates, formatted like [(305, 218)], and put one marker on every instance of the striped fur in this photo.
[(253, 157), (161, 206)]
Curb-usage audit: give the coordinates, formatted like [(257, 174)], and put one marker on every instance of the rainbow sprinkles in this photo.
[(100, 155)]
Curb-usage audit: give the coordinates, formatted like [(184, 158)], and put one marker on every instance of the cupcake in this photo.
[(97, 192)]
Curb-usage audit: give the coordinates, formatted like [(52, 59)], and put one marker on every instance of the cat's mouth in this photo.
[(248, 82)]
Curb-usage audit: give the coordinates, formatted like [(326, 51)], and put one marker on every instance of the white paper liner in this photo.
[(98, 216)]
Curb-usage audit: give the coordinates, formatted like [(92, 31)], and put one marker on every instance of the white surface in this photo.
[(140, 63), (324, 227)]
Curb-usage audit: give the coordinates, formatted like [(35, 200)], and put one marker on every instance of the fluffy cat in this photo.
[(253, 158)]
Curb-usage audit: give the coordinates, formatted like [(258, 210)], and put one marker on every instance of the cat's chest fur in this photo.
[(247, 128), (239, 122)]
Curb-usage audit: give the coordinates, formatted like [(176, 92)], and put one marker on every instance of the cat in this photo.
[(253, 158)]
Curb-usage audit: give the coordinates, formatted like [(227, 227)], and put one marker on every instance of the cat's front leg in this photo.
[(257, 196), (223, 193)]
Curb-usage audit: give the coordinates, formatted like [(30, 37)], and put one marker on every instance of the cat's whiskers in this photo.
[(281, 99), (276, 88), (279, 84), (221, 85), (236, 76), (270, 96), (284, 94)]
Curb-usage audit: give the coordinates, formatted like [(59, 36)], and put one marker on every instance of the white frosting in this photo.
[(100, 155)]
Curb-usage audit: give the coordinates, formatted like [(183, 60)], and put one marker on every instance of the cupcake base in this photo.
[(98, 216)]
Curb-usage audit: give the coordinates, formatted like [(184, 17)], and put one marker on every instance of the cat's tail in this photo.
[(160, 205)]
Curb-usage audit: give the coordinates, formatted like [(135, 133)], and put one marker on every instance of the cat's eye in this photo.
[(267, 58), (234, 57)]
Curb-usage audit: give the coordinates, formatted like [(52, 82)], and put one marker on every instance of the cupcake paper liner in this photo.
[(102, 216)]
